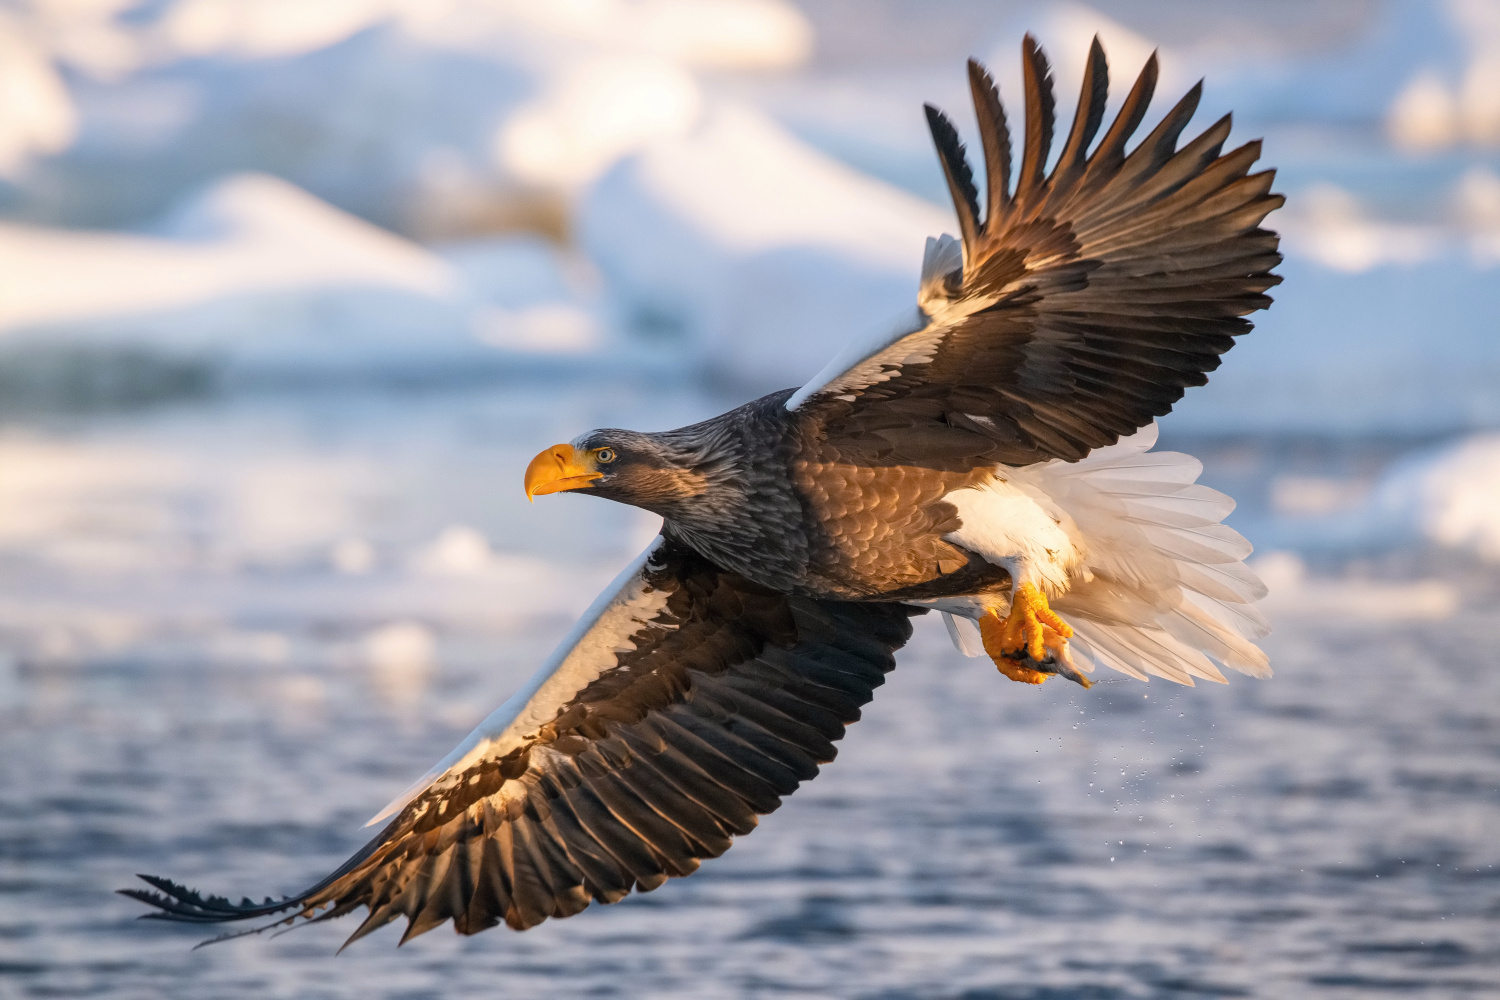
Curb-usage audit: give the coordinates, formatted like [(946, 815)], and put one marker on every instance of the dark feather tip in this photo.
[(956, 169)]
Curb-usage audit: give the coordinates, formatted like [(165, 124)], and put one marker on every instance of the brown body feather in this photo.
[(860, 517)]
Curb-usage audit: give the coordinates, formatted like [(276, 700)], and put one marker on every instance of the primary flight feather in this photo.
[(991, 459)]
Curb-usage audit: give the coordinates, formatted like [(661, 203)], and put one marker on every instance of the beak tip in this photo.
[(557, 470)]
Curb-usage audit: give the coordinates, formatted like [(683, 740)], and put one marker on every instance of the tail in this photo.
[(1164, 590)]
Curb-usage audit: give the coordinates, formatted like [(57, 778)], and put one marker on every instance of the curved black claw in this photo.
[(1051, 665)]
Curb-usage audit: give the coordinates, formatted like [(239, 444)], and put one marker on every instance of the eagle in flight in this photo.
[(989, 459)]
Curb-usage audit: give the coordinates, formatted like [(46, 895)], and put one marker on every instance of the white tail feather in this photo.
[(1162, 586)]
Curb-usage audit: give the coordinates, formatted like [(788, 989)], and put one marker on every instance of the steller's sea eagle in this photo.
[(990, 459)]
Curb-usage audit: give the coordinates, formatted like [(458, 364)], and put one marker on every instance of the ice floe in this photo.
[(702, 185), (254, 278)]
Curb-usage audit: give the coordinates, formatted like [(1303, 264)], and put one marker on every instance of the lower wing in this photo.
[(686, 703)]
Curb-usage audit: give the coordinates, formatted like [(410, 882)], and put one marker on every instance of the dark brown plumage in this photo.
[(1117, 282), (731, 697), (717, 673)]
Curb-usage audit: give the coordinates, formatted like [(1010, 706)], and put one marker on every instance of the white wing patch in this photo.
[(589, 649)]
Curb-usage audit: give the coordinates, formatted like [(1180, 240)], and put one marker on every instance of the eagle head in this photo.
[(644, 470)]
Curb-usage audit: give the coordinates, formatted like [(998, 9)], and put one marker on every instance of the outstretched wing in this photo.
[(1079, 306), (688, 702)]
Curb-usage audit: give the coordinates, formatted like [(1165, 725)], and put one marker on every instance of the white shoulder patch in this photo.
[(944, 255), (916, 338), (588, 650), (847, 370)]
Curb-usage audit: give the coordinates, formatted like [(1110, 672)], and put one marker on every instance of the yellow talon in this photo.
[(1032, 627), (1030, 617)]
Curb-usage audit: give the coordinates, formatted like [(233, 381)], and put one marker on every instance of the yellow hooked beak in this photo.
[(559, 468)]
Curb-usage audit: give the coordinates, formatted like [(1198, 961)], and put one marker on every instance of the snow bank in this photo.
[(757, 251), (596, 111), (39, 115), (722, 34), (253, 276), (247, 234), (364, 102), (629, 79), (720, 236)]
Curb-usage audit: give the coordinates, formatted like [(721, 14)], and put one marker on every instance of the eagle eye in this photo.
[(604, 456)]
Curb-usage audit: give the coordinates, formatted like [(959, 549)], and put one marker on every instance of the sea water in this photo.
[(232, 628)]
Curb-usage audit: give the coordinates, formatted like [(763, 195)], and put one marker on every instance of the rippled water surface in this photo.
[(231, 632)]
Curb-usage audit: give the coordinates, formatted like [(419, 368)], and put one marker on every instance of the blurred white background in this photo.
[(240, 191)]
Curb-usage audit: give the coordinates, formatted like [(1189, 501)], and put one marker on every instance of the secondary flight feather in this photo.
[(991, 460)]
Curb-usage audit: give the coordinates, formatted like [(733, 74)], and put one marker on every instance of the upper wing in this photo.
[(1084, 302), (688, 701)]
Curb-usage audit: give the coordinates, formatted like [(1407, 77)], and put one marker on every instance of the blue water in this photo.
[(187, 688)]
